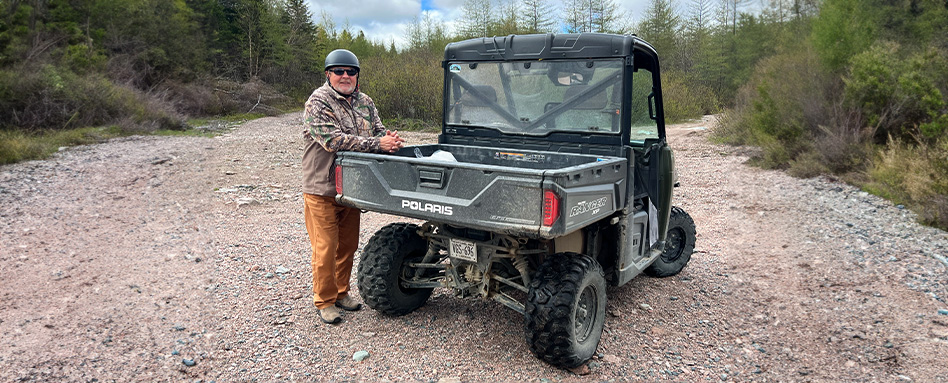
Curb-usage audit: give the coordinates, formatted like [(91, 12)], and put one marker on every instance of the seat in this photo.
[(475, 109), (589, 115)]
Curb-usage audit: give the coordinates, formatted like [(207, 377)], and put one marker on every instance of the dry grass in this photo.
[(913, 175), (16, 146)]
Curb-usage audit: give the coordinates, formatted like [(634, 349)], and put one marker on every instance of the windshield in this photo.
[(536, 97)]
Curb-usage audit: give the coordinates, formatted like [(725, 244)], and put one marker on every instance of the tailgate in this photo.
[(487, 197)]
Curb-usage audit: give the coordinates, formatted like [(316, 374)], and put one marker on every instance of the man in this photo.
[(337, 117)]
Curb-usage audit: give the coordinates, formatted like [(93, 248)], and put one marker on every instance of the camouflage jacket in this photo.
[(330, 124)]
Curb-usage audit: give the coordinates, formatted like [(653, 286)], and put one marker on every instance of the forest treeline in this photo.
[(855, 89)]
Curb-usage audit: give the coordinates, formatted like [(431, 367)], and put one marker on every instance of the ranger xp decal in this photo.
[(427, 207), (585, 206)]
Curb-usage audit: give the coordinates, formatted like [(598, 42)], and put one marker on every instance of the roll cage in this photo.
[(640, 101)]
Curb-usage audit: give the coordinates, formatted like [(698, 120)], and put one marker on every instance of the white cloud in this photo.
[(385, 33), (635, 7), (447, 4), (366, 12)]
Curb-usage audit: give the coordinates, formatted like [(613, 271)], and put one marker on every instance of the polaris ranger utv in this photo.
[(551, 178)]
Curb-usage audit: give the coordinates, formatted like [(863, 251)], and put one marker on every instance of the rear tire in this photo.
[(679, 244), (383, 264), (566, 309)]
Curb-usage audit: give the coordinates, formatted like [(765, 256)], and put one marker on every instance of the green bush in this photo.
[(843, 29), (411, 124), (938, 127), (780, 110), (731, 129), (83, 59), (405, 86), (896, 95), (684, 99)]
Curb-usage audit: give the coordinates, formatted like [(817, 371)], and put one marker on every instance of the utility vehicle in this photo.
[(551, 179)]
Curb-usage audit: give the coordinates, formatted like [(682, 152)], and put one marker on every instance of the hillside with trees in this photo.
[(852, 89)]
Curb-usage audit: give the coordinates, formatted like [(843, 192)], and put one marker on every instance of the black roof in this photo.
[(546, 46)]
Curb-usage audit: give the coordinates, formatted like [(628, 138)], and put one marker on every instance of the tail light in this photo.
[(551, 207), (338, 179)]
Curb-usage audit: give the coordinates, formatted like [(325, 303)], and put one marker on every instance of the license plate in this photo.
[(463, 250)]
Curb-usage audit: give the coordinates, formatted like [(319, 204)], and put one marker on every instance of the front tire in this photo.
[(384, 263), (566, 309), (679, 244)]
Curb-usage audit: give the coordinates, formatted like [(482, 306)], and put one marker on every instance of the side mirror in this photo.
[(651, 106)]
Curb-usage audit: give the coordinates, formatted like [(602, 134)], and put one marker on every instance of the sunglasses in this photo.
[(339, 72)]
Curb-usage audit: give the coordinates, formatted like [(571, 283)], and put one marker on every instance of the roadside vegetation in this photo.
[(860, 94), (847, 88)]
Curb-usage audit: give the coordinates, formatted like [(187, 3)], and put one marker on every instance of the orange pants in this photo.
[(334, 233)]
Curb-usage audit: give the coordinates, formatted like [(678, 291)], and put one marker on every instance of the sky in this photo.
[(385, 21)]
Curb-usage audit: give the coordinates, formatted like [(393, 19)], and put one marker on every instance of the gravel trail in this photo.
[(186, 259)]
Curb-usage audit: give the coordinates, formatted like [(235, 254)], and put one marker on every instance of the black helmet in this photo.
[(341, 57)]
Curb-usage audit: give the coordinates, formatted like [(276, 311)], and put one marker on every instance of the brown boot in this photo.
[(330, 315), (348, 303)]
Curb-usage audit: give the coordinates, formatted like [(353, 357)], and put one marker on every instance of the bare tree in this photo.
[(426, 32), (574, 16), (507, 20), (805, 8), (605, 17), (728, 12), (537, 16), (477, 18), (696, 32), (593, 16), (327, 24), (699, 17)]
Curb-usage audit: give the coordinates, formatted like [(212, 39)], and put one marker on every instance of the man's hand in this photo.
[(391, 142)]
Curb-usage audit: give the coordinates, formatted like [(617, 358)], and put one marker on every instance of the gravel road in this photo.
[(186, 259)]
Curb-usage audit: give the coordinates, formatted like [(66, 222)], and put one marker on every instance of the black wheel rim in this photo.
[(584, 321), (674, 244)]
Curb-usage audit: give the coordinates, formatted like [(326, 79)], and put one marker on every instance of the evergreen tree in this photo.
[(262, 45), (696, 38), (299, 20), (217, 24), (304, 48), (660, 26)]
